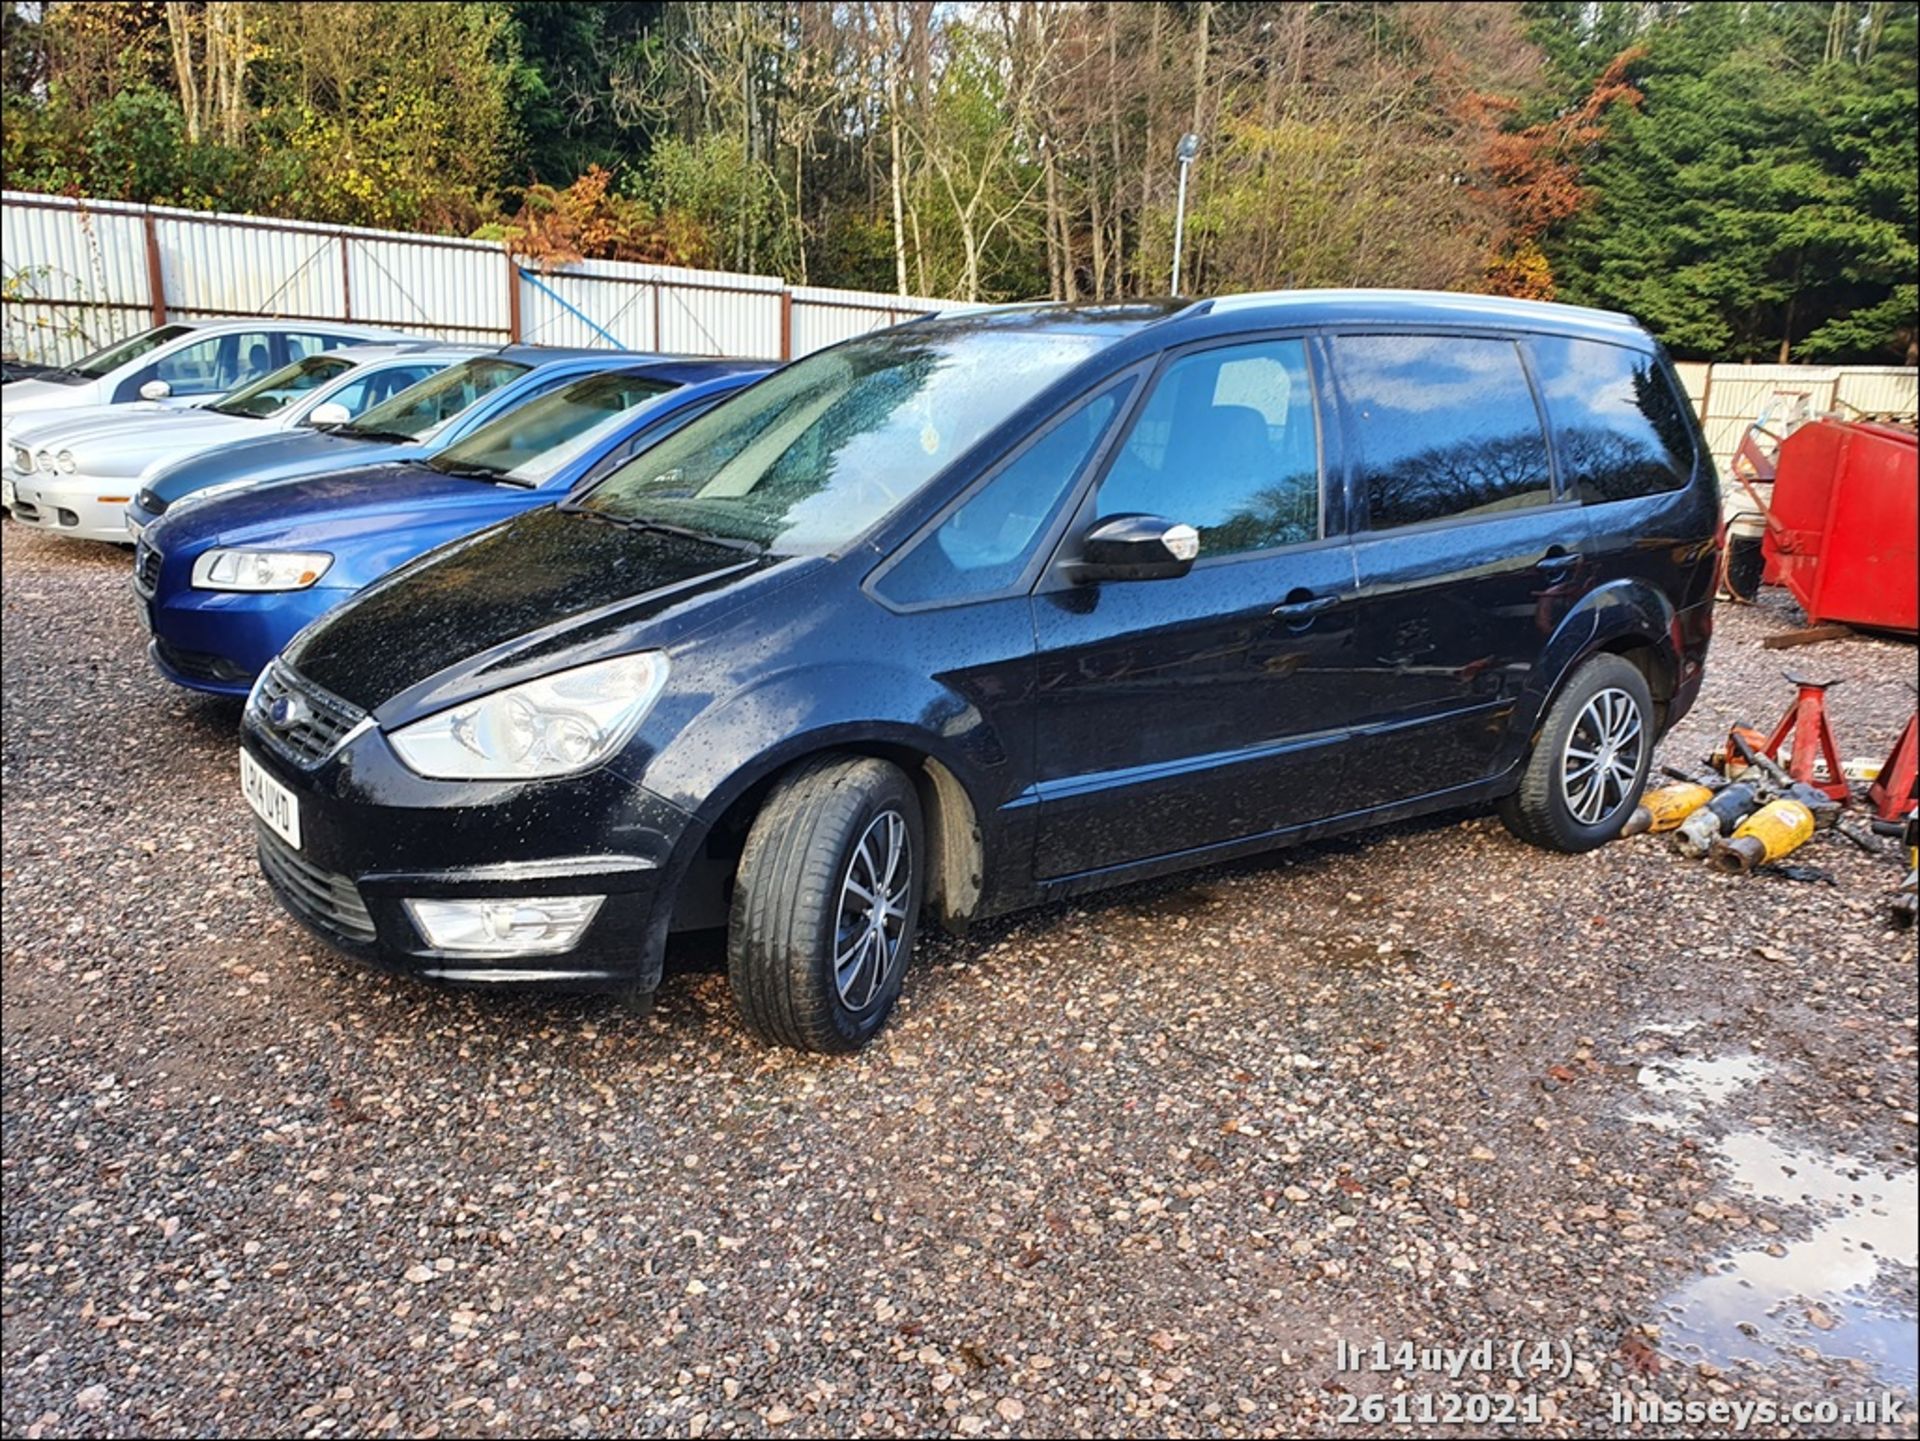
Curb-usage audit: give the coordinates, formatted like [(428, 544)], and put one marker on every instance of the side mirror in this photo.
[(155, 390), (1136, 547), (332, 413)]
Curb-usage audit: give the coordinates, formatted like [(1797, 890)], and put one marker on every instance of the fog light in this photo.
[(534, 926)]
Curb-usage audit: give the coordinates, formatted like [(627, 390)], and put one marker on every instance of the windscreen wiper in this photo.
[(465, 470), (662, 527), (354, 432)]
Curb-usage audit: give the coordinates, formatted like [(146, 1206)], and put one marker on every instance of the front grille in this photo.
[(329, 901), (313, 723), (151, 503), (198, 664), (146, 568)]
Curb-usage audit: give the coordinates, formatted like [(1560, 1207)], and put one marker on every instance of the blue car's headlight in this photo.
[(259, 570), (553, 726)]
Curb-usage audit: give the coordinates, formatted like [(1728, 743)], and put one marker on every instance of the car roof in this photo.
[(1260, 309), (695, 371), (371, 354), (1321, 307), (222, 324)]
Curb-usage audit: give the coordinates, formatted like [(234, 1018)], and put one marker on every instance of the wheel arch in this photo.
[(955, 841), (1627, 618)]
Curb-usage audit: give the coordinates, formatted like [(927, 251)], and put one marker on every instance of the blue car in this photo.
[(418, 422), (227, 582)]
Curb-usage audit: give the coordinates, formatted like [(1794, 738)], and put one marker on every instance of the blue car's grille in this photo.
[(296, 719)]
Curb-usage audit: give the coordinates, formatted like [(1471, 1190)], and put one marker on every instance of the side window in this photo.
[(217, 364), (311, 342), (984, 544), (1226, 443), (1621, 430), (367, 390), (1440, 427)]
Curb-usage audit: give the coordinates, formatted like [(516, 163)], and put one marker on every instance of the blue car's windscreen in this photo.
[(419, 408), (532, 441)]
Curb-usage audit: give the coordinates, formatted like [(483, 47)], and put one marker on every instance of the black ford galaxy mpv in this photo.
[(988, 609)]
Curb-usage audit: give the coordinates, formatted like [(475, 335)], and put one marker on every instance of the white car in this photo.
[(73, 472), (182, 362)]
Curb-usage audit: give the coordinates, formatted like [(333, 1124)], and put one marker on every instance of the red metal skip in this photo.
[(1844, 530)]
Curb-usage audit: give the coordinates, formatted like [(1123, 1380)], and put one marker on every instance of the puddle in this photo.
[(1844, 1288), (1702, 1080)]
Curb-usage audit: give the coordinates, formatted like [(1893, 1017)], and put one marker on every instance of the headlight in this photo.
[(64, 460), (553, 726), (23, 460), (259, 569), (44, 460)]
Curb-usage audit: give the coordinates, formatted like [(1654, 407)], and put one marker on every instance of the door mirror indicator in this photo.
[(1136, 547)]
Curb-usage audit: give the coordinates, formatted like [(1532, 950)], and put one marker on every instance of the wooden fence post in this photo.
[(513, 298), (786, 323), (346, 282), (156, 274)]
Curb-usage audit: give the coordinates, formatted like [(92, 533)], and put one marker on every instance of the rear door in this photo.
[(1467, 553), (1176, 714)]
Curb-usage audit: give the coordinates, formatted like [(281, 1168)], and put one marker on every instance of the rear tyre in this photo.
[(825, 904), (1589, 761)]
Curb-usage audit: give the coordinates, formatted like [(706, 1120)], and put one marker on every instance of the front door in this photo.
[(1467, 557), (1177, 714)]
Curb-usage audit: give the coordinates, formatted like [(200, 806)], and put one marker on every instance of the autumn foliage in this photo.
[(557, 225), (1534, 173)]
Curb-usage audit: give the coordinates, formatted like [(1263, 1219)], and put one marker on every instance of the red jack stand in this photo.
[(1898, 784), (1806, 722)]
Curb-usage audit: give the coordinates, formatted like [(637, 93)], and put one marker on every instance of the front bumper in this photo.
[(78, 506), (218, 641), (374, 835)]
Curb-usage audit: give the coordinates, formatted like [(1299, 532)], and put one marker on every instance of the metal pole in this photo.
[(1179, 224)]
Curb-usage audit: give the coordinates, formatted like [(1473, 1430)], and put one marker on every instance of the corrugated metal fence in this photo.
[(81, 273), (1731, 397)]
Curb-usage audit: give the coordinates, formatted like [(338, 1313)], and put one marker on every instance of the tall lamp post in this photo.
[(1188, 148)]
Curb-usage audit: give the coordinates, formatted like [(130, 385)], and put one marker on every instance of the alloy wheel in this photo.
[(1601, 761), (873, 911)]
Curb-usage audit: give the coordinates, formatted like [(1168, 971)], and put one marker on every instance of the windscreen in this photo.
[(120, 352), (810, 457), (260, 398), (418, 408), (532, 441)]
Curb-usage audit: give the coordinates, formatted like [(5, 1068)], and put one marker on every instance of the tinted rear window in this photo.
[(1440, 427), (1621, 429)]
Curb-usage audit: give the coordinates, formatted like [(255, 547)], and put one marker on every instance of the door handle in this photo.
[(1556, 562), (1299, 610)]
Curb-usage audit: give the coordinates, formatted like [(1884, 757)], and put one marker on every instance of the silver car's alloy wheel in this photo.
[(1601, 761), (873, 911)]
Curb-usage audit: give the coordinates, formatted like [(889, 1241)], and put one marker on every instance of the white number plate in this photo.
[(135, 529), (6, 494), (271, 801)]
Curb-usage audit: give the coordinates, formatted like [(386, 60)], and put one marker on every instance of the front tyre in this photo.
[(1589, 761), (825, 904)]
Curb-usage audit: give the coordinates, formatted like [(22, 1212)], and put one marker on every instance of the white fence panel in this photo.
[(82, 278), (60, 265), (824, 316), (449, 290)]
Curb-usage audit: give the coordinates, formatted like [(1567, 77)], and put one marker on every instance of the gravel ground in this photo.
[(1127, 1167)]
